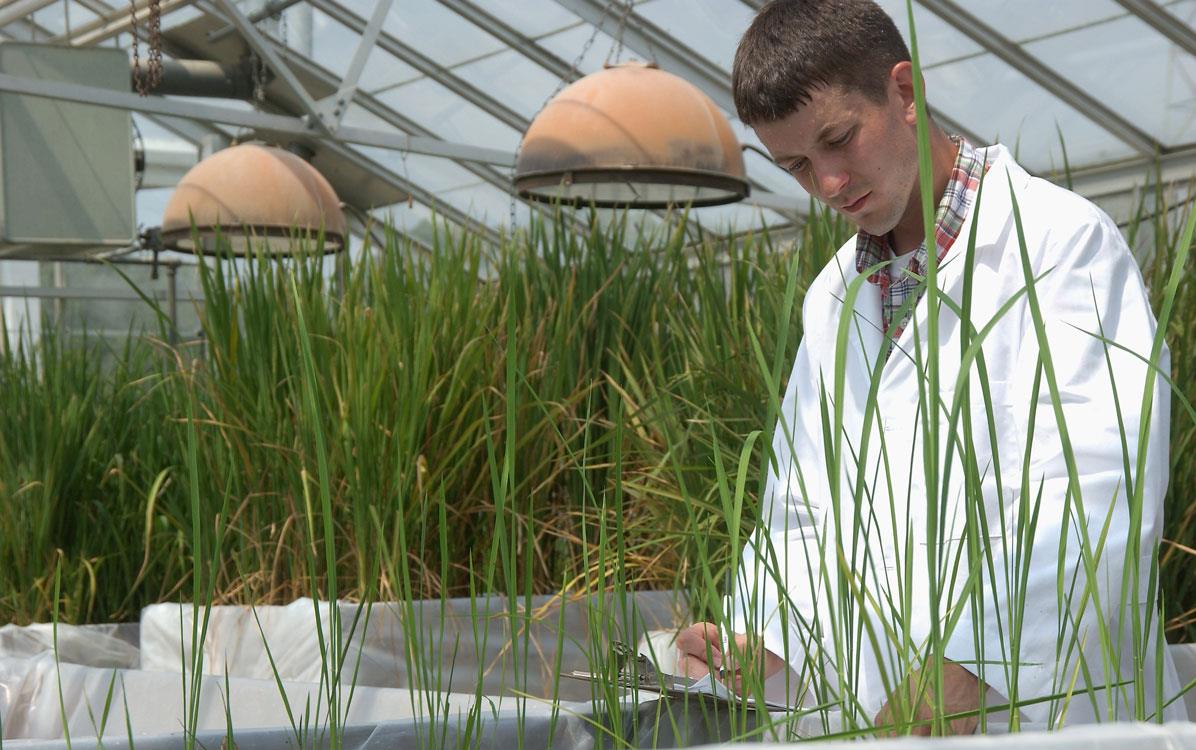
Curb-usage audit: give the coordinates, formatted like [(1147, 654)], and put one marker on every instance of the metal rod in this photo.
[(77, 293), (365, 44), (172, 302), (250, 119)]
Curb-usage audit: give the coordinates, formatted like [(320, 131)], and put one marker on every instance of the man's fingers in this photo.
[(700, 648)]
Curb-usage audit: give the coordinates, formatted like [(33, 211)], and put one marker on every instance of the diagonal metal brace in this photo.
[(336, 105), (266, 52)]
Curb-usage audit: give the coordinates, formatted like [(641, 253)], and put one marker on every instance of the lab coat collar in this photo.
[(994, 229)]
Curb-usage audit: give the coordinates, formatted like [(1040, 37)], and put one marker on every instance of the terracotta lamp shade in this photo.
[(254, 196), (634, 136)]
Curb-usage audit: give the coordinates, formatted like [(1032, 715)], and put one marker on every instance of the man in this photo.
[(987, 543)]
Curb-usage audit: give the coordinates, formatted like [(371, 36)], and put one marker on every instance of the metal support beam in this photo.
[(249, 119), (1018, 58), (513, 38), (373, 230), (418, 193), (20, 9), (78, 293), (1175, 166), (427, 66), (1163, 21), (116, 22), (273, 60), (369, 35), (480, 168)]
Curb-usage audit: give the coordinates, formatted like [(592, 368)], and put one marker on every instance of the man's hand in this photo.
[(961, 692), (702, 652)]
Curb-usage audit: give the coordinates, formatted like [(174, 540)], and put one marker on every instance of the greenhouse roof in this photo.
[(438, 92)]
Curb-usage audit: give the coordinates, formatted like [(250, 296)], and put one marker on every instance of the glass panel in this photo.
[(414, 220), (449, 116), (332, 43), (570, 44), (431, 173), (432, 29), (1153, 82), (1020, 20), (383, 70), (59, 18), (766, 173), (487, 204), (149, 130), (711, 28), (938, 41), (359, 117), (517, 81), (532, 18), (180, 15), (995, 101), (734, 217), (150, 204)]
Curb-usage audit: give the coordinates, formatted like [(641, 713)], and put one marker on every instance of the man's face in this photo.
[(856, 155)]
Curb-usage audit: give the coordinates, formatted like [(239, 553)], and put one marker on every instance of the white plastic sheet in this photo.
[(240, 689), (89, 645), (439, 645), (93, 703)]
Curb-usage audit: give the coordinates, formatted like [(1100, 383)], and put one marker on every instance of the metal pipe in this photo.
[(172, 302), (205, 78)]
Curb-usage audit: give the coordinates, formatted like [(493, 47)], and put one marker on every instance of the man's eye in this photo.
[(843, 139), (796, 167)]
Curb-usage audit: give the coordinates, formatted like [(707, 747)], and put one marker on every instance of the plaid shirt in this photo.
[(898, 284)]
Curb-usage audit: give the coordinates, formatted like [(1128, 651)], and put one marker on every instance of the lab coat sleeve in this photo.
[(1070, 611), (777, 581)]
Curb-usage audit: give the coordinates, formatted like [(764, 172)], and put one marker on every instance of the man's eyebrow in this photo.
[(825, 131), (824, 135)]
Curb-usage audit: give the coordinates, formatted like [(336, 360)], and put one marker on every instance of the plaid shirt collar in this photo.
[(897, 284)]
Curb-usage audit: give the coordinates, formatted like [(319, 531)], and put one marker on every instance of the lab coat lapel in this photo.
[(994, 229)]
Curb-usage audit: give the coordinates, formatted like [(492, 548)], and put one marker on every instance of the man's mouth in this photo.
[(852, 208)]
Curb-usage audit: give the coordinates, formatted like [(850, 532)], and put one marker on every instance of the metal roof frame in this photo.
[(1018, 58), (306, 115), (436, 72), (194, 130), (1163, 21)]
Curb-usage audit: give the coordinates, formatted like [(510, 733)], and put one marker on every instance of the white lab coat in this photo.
[(861, 644)]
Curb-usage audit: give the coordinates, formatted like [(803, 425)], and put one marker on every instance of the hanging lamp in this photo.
[(257, 199), (631, 135)]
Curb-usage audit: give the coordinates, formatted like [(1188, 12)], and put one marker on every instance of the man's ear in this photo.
[(901, 87)]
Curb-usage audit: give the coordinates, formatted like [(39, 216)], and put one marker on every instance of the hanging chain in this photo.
[(617, 48), (149, 78), (561, 84)]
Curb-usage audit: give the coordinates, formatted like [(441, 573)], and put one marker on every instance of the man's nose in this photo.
[(831, 183)]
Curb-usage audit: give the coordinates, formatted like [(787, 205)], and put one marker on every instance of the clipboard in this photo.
[(636, 671)]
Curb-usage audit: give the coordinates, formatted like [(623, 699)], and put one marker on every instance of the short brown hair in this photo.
[(794, 46)]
